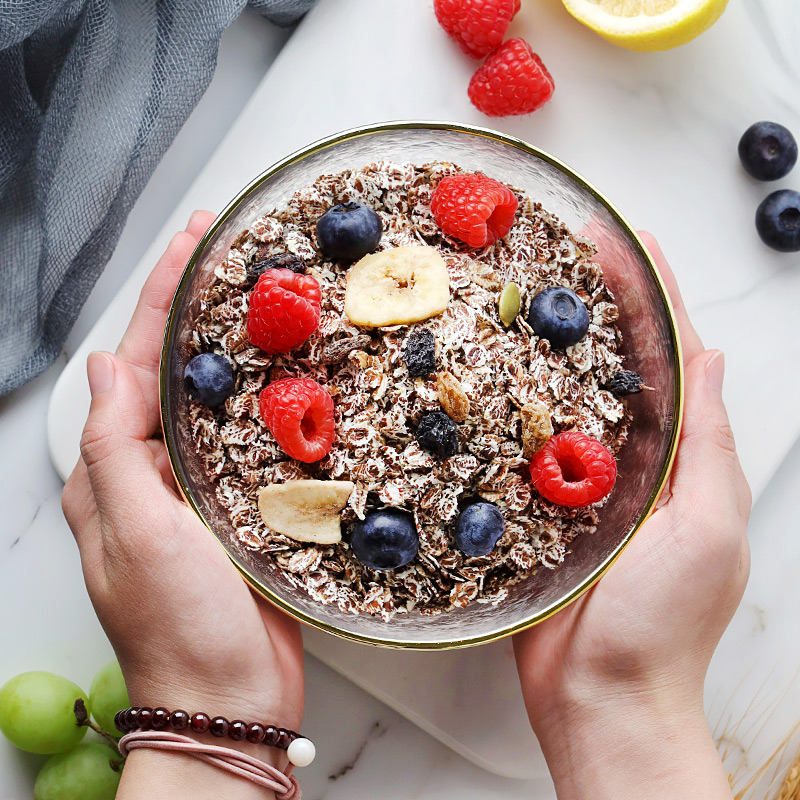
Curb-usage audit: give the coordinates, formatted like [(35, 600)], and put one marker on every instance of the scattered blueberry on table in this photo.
[(778, 220), (768, 151)]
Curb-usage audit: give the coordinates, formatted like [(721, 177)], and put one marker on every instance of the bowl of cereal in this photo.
[(423, 382)]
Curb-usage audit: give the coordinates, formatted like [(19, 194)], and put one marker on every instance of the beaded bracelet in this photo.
[(300, 750)]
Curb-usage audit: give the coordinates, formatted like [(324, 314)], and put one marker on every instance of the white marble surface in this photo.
[(667, 149)]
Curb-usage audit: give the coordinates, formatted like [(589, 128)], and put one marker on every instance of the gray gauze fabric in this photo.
[(92, 92)]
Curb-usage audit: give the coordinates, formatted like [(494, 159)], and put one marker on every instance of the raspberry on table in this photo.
[(283, 311), (299, 413), (473, 208), (573, 470), (513, 80), (477, 26)]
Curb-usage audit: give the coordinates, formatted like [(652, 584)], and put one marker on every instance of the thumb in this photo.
[(707, 467), (121, 467)]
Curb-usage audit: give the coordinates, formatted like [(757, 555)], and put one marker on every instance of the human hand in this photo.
[(187, 631), (621, 671)]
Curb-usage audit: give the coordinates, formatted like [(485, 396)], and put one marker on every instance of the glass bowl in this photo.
[(650, 344)]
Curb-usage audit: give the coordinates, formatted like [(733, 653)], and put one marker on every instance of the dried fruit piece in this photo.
[(288, 261), (536, 427), (509, 304), (334, 352), (419, 353), (397, 286), (438, 434), (305, 510), (452, 397), (626, 382)]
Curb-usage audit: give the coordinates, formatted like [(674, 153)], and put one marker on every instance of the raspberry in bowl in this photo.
[(433, 438)]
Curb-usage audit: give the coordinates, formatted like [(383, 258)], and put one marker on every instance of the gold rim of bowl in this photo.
[(601, 568)]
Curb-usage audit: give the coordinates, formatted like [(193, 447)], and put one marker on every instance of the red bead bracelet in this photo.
[(143, 718)]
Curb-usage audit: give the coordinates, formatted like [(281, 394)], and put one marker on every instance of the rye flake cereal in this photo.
[(486, 375)]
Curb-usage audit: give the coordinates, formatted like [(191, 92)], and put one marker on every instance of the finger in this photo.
[(80, 511), (199, 223), (121, 468), (141, 344), (159, 452), (707, 473), (690, 341)]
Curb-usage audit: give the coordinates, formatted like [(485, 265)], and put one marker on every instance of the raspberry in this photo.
[(478, 26), (299, 414), (511, 81), (473, 208), (573, 470), (284, 310)]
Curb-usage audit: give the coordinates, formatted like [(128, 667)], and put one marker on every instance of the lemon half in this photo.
[(647, 25)]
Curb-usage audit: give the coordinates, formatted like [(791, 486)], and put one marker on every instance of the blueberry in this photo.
[(420, 353), (348, 231), (625, 382), (558, 315), (768, 151), (438, 434), (478, 529), (385, 539), (778, 220), (278, 261), (209, 379)]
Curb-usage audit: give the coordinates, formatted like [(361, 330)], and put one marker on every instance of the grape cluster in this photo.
[(44, 713)]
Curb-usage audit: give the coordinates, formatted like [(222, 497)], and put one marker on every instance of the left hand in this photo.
[(187, 631)]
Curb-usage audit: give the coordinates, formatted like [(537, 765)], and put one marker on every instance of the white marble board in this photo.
[(656, 133)]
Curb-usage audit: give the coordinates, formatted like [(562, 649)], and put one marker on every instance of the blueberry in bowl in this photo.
[(348, 231), (558, 315), (385, 539), (478, 529)]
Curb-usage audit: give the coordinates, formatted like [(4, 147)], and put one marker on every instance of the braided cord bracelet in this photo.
[(284, 784)]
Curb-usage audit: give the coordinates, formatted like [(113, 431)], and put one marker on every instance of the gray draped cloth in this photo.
[(92, 92)]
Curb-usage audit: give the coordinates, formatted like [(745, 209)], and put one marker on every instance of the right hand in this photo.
[(640, 641)]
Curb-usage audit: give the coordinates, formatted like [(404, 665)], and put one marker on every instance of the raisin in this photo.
[(438, 434), (334, 352), (420, 353), (625, 382), (278, 261)]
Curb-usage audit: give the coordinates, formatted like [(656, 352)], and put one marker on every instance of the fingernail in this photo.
[(715, 371), (100, 372)]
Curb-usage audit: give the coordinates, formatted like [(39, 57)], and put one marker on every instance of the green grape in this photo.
[(108, 695), (84, 773), (36, 712)]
